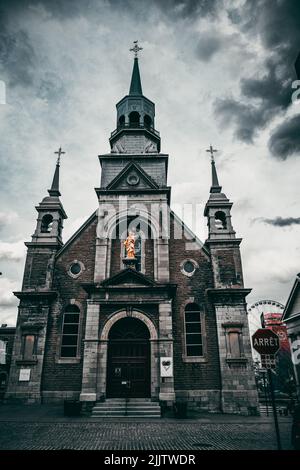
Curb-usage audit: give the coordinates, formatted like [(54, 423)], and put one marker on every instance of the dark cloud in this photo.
[(276, 24), (285, 139), (51, 87), (207, 46), (59, 8), (17, 57), (70, 8), (282, 221), (245, 119), (190, 8)]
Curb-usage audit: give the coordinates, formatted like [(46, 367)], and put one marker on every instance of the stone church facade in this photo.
[(172, 326)]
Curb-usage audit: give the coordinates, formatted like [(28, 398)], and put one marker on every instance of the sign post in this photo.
[(267, 343)]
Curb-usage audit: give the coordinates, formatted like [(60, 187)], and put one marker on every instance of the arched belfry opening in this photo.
[(134, 119), (147, 121), (128, 363), (122, 121)]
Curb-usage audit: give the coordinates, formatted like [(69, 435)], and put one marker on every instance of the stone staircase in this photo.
[(133, 408)]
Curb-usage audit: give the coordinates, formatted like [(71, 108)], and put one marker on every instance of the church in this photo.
[(134, 304)]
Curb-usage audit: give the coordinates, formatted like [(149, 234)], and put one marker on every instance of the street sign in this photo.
[(265, 341), (268, 361)]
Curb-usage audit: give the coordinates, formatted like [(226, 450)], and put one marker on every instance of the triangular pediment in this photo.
[(128, 276), (292, 308), (132, 177)]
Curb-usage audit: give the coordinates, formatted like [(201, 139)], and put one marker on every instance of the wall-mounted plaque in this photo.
[(166, 367), (24, 375)]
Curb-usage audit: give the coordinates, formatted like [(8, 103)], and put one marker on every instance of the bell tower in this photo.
[(47, 238), (133, 195), (228, 296), (36, 297), (223, 244), (135, 127)]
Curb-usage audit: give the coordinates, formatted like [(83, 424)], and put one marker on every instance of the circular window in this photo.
[(133, 179), (75, 269), (188, 267)]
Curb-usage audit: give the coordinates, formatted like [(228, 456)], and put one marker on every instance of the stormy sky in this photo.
[(219, 72)]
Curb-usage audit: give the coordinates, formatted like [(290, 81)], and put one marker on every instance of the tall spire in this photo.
[(54, 191), (135, 85), (215, 186)]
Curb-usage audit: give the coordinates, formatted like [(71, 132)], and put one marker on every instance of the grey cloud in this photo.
[(246, 119), (207, 46), (282, 221), (51, 87), (276, 24), (17, 57), (285, 139), (70, 8), (190, 8)]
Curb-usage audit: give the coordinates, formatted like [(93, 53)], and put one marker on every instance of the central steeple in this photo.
[(135, 84), (135, 131)]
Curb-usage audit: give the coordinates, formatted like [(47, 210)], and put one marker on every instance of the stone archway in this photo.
[(128, 359), (140, 345)]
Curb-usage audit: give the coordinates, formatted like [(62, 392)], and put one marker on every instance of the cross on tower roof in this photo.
[(211, 150), (59, 153), (136, 49)]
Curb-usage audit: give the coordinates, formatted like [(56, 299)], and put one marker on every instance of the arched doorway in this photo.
[(128, 363)]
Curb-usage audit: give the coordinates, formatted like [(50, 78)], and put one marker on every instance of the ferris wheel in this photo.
[(254, 316)]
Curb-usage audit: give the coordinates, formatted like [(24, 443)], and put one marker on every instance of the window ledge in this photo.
[(26, 362), (236, 360), (194, 359), (68, 360)]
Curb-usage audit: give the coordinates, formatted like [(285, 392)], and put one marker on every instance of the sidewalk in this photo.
[(55, 413)]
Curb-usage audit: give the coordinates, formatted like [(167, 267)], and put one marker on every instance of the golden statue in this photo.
[(129, 245)]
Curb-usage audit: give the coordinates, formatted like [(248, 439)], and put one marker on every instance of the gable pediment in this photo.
[(127, 277), (132, 177), (292, 308)]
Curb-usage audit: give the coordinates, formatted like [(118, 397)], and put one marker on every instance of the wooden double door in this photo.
[(128, 369)]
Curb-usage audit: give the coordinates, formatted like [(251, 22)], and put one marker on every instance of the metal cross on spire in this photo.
[(211, 150), (136, 48), (59, 153)]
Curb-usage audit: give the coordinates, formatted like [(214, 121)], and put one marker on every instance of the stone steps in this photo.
[(134, 408)]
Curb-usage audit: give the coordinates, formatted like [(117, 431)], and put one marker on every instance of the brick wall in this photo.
[(67, 376), (36, 265), (192, 376)]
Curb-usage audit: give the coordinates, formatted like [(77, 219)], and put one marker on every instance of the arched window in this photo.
[(47, 222), (3, 380), (193, 331), (220, 220), (122, 120), (70, 331), (134, 119), (147, 121), (29, 346)]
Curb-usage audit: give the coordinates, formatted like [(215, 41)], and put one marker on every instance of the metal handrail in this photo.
[(134, 126)]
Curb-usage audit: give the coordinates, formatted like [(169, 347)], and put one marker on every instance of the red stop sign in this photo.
[(265, 341)]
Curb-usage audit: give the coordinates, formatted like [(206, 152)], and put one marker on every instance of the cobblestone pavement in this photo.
[(156, 435)]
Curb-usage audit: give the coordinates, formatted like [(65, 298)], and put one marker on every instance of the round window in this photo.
[(189, 267), (75, 269), (133, 179)]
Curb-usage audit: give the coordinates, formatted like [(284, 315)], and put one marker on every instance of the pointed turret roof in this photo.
[(135, 84), (215, 187), (54, 191)]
